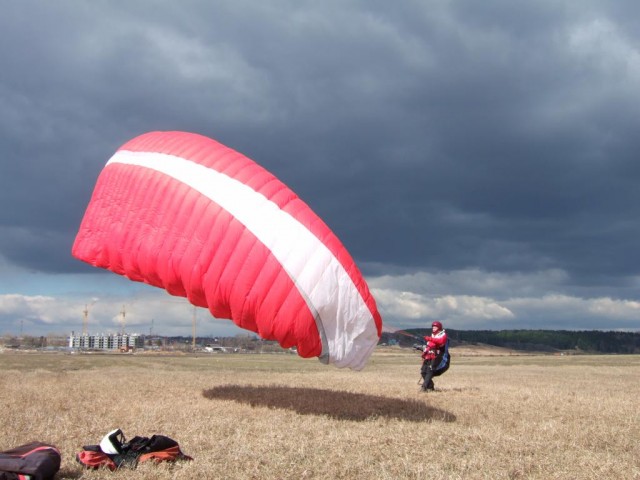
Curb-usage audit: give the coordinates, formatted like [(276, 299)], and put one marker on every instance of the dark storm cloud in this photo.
[(490, 135)]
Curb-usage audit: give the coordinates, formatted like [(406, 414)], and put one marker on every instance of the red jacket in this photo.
[(435, 345)]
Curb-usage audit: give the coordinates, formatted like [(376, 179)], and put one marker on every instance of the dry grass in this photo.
[(279, 416)]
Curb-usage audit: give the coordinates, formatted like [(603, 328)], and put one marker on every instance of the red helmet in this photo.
[(437, 324)]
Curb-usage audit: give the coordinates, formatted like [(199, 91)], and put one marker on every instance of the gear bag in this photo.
[(114, 451), (32, 461)]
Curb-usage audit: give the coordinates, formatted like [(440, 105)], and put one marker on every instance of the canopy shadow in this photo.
[(335, 404)]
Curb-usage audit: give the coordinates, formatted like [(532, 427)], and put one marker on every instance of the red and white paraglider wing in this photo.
[(185, 213)]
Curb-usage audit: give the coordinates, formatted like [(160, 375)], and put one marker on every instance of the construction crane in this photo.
[(122, 320), (85, 316)]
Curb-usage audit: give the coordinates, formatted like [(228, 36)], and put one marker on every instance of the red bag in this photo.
[(170, 454), (95, 459)]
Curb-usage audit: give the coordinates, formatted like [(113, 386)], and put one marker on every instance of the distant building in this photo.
[(106, 342)]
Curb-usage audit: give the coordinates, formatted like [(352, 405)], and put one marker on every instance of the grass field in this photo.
[(281, 417)]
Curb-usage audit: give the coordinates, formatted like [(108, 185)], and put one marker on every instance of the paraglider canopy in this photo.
[(183, 212)]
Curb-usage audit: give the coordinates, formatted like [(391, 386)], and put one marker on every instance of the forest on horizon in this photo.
[(585, 341)]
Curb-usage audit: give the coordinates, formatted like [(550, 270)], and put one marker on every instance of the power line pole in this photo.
[(193, 339)]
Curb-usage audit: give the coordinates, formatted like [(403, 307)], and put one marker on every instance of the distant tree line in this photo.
[(29, 341), (589, 341)]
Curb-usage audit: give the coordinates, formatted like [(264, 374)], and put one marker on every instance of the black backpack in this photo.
[(32, 461)]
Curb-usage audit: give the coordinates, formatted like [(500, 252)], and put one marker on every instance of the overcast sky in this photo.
[(480, 160)]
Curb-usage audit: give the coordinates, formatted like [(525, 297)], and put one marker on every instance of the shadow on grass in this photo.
[(334, 404)]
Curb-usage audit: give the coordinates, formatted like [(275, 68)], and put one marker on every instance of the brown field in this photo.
[(281, 417)]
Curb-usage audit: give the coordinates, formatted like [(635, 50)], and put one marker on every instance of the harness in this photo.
[(446, 359)]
